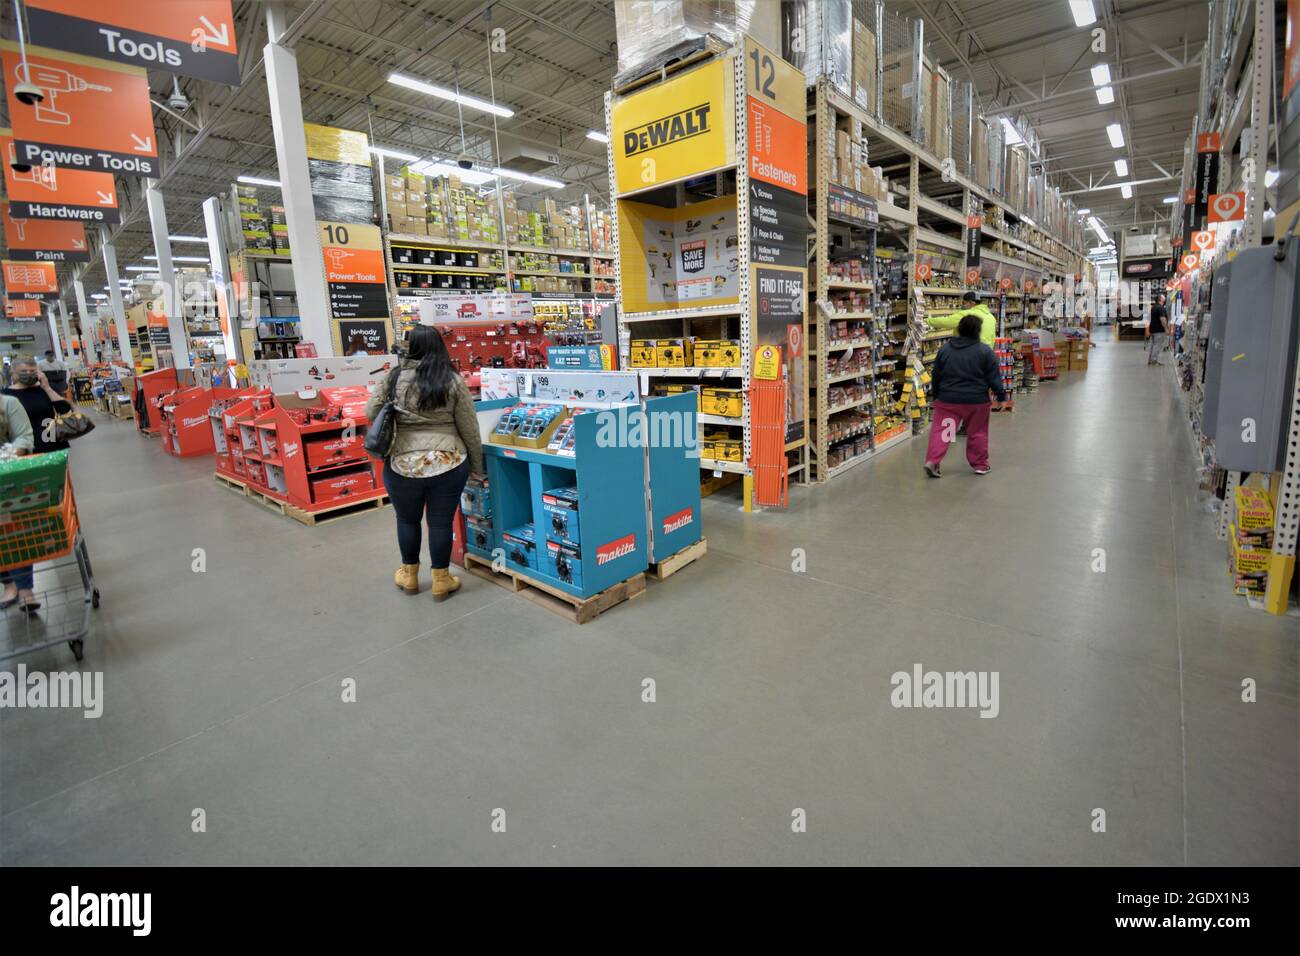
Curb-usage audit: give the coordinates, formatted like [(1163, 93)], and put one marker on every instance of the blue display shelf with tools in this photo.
[(582, 492)]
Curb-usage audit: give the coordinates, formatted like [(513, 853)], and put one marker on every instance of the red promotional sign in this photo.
[(47, 192), (1189, 262), (923, 272), (1005, 283), (1203, 240), (95, 116), (1208, 143), (43, 240), (972, 276), (1227, 207), (189, 37), (30, 280)]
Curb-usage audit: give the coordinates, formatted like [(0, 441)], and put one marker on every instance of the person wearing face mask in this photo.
[(41, 402)]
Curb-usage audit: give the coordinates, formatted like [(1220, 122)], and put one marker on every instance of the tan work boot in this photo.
[(444, 583), (408, 578)]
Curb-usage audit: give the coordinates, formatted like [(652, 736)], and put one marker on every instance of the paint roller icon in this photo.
[(56, 81)]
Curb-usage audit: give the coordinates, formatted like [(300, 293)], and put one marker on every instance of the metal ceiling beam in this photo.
[(556, 28)]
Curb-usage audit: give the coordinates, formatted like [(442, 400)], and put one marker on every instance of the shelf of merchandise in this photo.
[(738, 315)]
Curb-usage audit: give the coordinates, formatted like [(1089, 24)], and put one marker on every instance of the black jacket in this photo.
[(965, 370)]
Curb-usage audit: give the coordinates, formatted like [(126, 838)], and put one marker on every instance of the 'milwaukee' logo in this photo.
[(672, 128)]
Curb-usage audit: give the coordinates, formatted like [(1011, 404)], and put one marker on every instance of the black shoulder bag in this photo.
[(383, 427)]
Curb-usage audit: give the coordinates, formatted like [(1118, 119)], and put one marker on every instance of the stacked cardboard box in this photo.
[(979, 151), (1017, 178), (602, 234), (404, 194), (898, 91), (254, 219), (939, 114), (471, 215), (864, 66)]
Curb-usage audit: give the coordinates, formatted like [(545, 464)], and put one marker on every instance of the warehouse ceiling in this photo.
[(553, 61)]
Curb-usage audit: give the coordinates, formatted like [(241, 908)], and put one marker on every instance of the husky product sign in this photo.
[(674, 130)]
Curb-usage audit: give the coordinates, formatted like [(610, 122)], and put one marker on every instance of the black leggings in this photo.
[(414, 499)]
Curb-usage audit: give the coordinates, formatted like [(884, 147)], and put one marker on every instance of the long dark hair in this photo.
[(434, 375)]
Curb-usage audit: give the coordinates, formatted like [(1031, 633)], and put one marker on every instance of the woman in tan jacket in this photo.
[(435, 448)]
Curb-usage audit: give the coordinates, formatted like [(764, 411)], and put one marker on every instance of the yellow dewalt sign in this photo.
[(675, 130)]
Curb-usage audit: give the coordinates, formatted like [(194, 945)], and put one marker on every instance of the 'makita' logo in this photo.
[(672, 128), (681, 519), (615, 549)]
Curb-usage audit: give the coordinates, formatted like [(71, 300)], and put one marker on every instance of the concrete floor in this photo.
[(1118, 690)]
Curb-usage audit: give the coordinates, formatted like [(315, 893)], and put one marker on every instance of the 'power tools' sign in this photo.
[(48, 192), (93, 116), (189, 37)]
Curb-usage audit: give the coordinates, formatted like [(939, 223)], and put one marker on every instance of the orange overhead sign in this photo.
[(47, 192), (30, 280), (1227, 207), (43, 240), (189, 37), (22, 308), (95, 116), (1208, 142)]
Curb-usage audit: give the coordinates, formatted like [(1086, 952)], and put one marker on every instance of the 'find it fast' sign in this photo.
[(189, 37), (94, 115)]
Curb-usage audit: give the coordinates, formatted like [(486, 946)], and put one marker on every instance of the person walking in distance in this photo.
[(435, 448), (965, 371), (971, 305), (1157, 330)]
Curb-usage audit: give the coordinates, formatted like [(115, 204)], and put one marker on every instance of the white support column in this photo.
[(69, 357), (172, 298), (295, 186), (115, 298), (227, 300), (89, 340), (54, 330)]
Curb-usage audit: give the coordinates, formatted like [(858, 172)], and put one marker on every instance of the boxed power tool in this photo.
[(674, 353), (538, 424), (1254, 509), (724, 449), (642, 354), (564, 561), (728, 402), (478, 533), (717, 353), (476, 499), (507, 425), (521, 546), (563, 438), (561, 507)]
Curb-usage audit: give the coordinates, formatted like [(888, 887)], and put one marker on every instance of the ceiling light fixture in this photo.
[(1013, 137), (202, 240), (598, 137), (138, 269), (445, 94), (1105, 95), (1101, 74), (1084, 212), (1169, 200), (1126, 191), (180, 259), (1083, 12), (528, 177), (1121, 167), (394, 154), (1116, 134), (258, 181), (472, 177)]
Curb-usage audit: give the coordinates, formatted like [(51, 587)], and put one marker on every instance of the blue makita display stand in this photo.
[(635, 468)]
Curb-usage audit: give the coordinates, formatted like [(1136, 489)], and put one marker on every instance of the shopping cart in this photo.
[(52, 538)]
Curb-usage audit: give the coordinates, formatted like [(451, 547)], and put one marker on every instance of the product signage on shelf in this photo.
[(1227, 207), (1203, 241), (675, 130), (679, 258), (779, 321), (96, 115), (1190, 222), (777, 156), (923, 272), (1207, 172), (443, 308), (354, 270), (44, 240), (972, 277), (850, 206), (48, 192), (188, 37), (364, 338), (31, 280), (1189, 262), (974, 231)]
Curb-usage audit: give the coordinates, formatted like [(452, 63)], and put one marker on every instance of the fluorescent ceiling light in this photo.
[(1105, 95), (1101, 74), (598, 137), (1121, 167), (99, 295), (1126, 191), (393, 154), (1095, 223), (201, 240), (1084, 212), (445, 94), (1169, 200), (1083, 11), (256, 181), (528, 177), (180, 259), (1116, 134), (472, 177), (139, 269), (1270, 177), (1013, 138)]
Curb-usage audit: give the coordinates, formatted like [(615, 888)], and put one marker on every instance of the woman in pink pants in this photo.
[(965, 371)]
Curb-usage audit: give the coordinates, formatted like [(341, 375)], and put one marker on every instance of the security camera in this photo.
[(465, 161), (29, 93), (18, 166), (178, 102)]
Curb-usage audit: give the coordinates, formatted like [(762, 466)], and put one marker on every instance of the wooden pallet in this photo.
[(265, 500), (570, 607), (675, 562), (341, 510), (234, 484)]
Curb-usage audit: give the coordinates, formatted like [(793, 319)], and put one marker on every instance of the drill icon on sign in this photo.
[(56, 81), (42, 175), (336, 257)]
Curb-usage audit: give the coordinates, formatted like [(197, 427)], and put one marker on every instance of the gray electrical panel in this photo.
[(1257, 361), (1214, 348)]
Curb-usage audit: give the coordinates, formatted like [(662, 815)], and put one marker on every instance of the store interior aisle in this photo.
[(1119, 690)]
